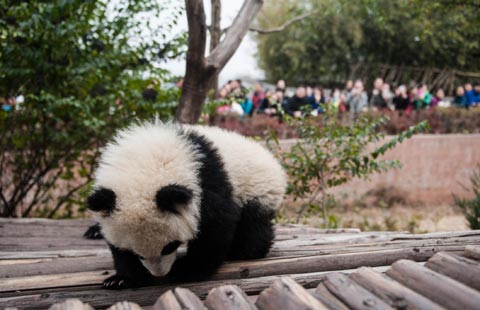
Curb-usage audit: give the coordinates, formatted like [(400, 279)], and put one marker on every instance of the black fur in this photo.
[(102, 200), (254, 235), (93, 232), (172, 197), (130, 271), (218, 220)]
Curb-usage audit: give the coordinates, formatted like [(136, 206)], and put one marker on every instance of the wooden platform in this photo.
[(45, 262)]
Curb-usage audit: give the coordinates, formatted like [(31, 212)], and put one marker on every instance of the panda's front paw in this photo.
[(117, 282), (93, 232)]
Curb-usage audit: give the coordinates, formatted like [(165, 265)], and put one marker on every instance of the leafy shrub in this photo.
[(333, 154), (82, 78), (471, 207)]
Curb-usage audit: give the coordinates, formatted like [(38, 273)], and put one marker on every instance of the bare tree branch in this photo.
[(197, 31), (234, 35), (283, 26)]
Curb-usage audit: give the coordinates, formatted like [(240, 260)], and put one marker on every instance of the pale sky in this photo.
[(243, 64)]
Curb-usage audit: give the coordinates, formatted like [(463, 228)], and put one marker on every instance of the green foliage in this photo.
[(85, 69), (471, 207), (332, 154), (340, 33)]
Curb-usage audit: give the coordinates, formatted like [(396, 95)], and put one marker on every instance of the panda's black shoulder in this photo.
[(212, 174)]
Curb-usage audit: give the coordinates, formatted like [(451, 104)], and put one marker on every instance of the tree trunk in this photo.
[(202, 70), (215, 35)]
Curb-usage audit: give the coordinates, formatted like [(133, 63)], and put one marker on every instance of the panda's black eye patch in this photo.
[(171, 197), (102, 200), (171, 247)]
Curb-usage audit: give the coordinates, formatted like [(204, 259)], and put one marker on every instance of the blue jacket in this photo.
[(472, 97)]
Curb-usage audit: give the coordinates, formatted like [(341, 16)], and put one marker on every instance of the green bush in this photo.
[(333, 154), (82, 77), (471, 207)]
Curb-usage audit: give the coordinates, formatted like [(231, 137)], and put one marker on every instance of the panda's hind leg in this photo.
[(254, 234)]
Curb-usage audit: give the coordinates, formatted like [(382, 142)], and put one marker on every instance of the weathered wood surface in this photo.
[(178, 299), (353, 294), (392, 292), (287, 294), (443, 290), (228, 297), (462, 269), (45, 262)]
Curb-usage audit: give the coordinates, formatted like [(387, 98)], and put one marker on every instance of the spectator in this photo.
[(244, 101), (376, 100), (468, 87), (9, 104), (317, 99), (439, 100), (281, 86), (460, 99), (473, 96), (424, 97), (309, 91), (387, 95), (270, 103), (358, 100), (335, 99), (258, 96), (295, 104), (401, 101), (348, 87)]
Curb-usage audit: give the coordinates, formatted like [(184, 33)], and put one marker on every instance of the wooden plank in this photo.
[(352, 294), (167, 301), (456, 267), (50, 281), (100, 298), (187, 299), (125, 305), (71, 304), (54, 254), (441, 289), (178, 299), (472, 252), (58, 266), (392, 292), (228, 297), (287, 294), (328, 299), (40, 243), (296, 265)]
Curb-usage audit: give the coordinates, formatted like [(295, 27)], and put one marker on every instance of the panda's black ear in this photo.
[(102, 200), (173, 197)]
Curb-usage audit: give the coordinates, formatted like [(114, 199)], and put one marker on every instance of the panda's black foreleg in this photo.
[(130, 271), (93, 232), (254, 235), (219, 218)]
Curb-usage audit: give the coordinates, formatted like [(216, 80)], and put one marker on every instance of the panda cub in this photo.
[(159, 186)]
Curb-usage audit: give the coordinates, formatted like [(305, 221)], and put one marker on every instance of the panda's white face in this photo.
[(147, 194), (161, 265)]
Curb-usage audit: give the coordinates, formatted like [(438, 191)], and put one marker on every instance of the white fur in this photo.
[(144, 158), (253, 171), (140, 161), (160, 265)]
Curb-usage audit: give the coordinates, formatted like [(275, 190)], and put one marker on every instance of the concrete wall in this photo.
[(433, 168)]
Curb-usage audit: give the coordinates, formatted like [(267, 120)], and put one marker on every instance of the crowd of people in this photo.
[(352, 98)]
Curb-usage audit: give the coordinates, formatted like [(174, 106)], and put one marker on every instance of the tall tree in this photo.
[(342, 33), (201, 70)]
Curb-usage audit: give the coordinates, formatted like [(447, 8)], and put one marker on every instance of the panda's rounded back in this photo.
[(254, 172)]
